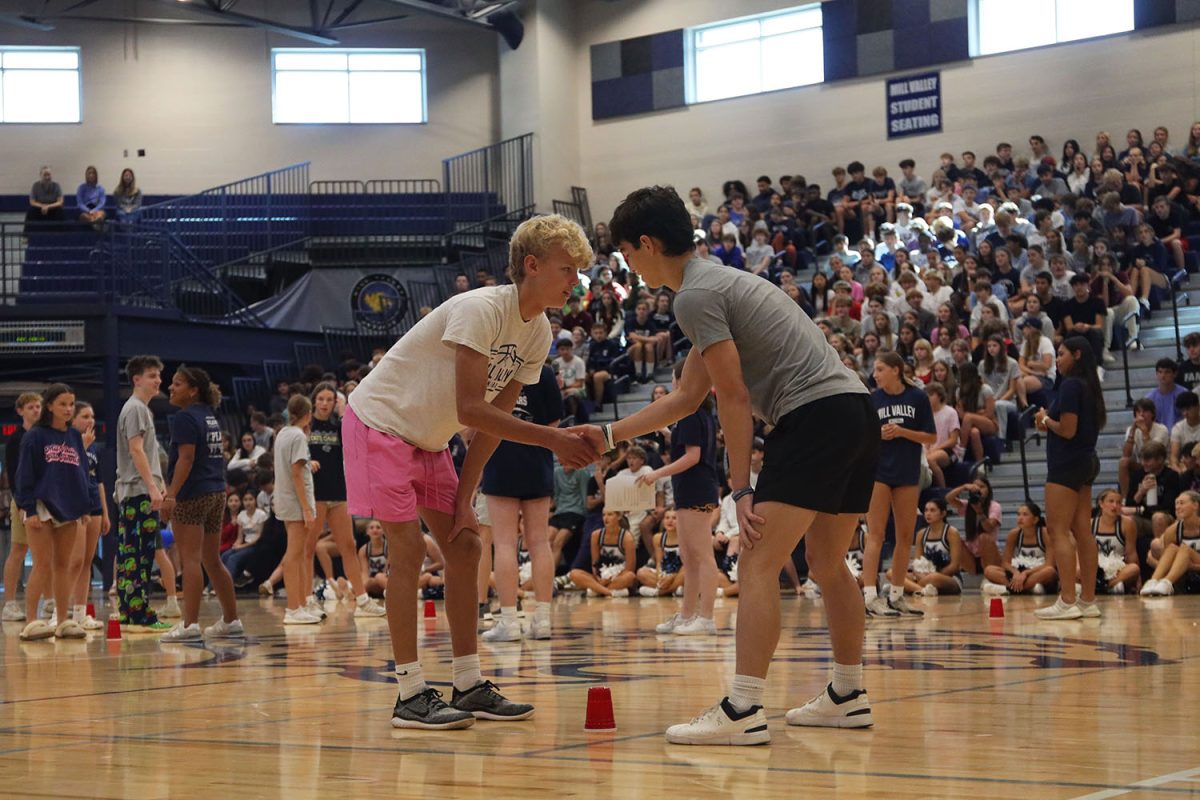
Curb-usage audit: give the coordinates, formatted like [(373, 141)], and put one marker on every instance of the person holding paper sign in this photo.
[(764, 356)]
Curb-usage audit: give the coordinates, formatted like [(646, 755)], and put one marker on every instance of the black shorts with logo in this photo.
[(822, 456)]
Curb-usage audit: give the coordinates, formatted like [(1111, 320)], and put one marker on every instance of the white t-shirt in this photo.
[(571, 370), (1158, 433), (1182, 433), (411, 394), (251, 524), (1045, 348)]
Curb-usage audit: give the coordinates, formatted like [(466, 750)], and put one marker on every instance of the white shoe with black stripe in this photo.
[(827, 710), (722, 724)]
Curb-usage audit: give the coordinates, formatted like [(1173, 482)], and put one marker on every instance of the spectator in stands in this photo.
[(1084, 315), (90, 198), (696, 205), (911, 189), (247, 455), (250, 521), (760, 254), (263, 434), (572, 373), (129, 197), (229, 527), (1150, 268), (1002, 374), (576, 316), (941, 453), (601, 354), (641, 334), (762, 201), (1166, 393), (1150, 499), (45, 201), (29, 409), (461, 283), (51, 491), (1168, 220), (976, 410), (1181, 553), (1110, 285), (1145, 429), (1079, 175), (1185, 434), (1189, 369), (730, 252)]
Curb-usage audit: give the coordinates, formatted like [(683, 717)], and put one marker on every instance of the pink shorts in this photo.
[(389, 479)]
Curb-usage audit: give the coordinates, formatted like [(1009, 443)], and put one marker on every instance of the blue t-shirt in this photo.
[(1164, 406), (697, 485), (900, 459), (53, 468), (1071, 399), (93, 478), (526, 471), (647, 328), (196, 425)]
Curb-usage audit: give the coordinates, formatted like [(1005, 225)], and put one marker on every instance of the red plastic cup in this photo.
[(599, 710), (997, 609), (114, 627), (91, 610), (430, 609)]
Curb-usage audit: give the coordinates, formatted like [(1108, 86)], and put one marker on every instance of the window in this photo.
[(1006, 25), (39, 85), (348, 86), (755, 54)]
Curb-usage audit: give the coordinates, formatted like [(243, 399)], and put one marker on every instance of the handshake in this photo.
[(578, 446)]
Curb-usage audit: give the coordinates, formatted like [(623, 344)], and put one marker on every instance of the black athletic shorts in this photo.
[(567, 521), (1075, 475), (822, 456)]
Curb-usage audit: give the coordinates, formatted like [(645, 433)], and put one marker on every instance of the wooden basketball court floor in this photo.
[(965, 706)]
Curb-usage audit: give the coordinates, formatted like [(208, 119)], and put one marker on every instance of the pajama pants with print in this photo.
[(137, 533)]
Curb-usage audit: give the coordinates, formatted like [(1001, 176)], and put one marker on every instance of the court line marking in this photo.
[(1149, 783)]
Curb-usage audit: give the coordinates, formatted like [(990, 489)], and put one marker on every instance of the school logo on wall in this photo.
[(378, 302)]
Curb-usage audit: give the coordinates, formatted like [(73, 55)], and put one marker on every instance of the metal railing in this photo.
[(227, 224), (1176, 282), (500, 175)]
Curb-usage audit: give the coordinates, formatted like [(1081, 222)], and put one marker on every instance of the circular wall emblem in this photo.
[(378, 302)]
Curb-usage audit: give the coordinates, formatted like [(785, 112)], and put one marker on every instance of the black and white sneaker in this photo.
[(902, 608), (827, 710), (427, 710), (484, 701), (723, 724)]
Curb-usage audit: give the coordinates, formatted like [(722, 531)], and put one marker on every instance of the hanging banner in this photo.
[(914, 105)]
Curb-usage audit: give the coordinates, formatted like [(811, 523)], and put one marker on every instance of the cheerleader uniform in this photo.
[(1190, 582), (857, 551), (1111, 548), (611, 561), (524, 562), (671, 561), (1029, 555), (377, 563), (936, 550)]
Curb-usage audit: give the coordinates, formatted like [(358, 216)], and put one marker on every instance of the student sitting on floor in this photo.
[(1028, 563), (1116, 543), (431, 583), (666, 575), (937, 567), (613, 554), (1179, 566), (373, 559)]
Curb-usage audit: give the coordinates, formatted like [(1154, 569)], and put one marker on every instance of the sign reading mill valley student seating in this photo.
[(914, 105)]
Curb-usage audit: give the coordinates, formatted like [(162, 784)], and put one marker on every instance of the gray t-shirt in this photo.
[(42, 193), (291, 445), (785, 359), (136, 420), (914, 188), (1000, 380)]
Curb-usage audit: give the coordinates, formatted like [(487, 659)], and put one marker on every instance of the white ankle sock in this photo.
[(746, 691), (363, 599), (870, 593), (411, 678), (896, 593), (508, 614), (846, 678), (466, 672), (79, 613), (312, 598)]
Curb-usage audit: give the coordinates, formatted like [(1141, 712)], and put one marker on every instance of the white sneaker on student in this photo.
[(1118, 589), (647, 591), (314, 607), (1059, 610), (827, 710), (696, 626), (721, 724), (929, 590), (1040, 588), (1149, 589), (13, 612), (540, 628), (669, 624), (300, 616), (171, 609), (998, 589), (505, 630), (369, 609), (620, 593), (1165, 587), (1089, 610), (225, 630), (878, 607), (182, 633)]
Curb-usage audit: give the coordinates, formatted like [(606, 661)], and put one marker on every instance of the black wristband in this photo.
[(740, 493)]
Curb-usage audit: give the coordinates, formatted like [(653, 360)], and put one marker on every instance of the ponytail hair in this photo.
[(207, 392), (891, 358), (1036, 511), (1085, 372)]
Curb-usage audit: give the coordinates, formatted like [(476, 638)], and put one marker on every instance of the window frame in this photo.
[(975, 14), (692, 48), (78, 70), (348, 71)]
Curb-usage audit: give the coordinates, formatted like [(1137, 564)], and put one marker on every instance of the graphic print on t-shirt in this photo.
[(897, 413), (503, 364)]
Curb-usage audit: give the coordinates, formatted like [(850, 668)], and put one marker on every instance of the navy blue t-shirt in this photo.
[(601, 354), (900, 459), (196, 425), (526, 471), (93, 479), (698, 485), (647, 328), (325, 446), (1071, 399)]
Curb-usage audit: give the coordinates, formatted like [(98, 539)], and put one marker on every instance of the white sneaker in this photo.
[(669, 624), (90, 623), (1165, 587), (998, 589), (13, 612), (1118, 589), (1089, 610), (901, 606), (826, 710), (314, 608), (370, 609), (647, 591), (1149, 589), (505, 630), (696, 626), (300, 616), (679, 591), (48, 609), (38, 629), (879, 607), (929, 590), (721, 724), (1059, 610), (620, 593), (540, 628), (182, 633), (225, 630), (1040, 588), (171, 609)]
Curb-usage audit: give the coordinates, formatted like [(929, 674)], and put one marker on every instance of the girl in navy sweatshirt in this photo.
[(52, 495)]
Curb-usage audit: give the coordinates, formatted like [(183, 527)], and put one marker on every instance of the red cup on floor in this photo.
[(600, 710), (997, 609), (114, 627), (430, 609), (91, 610)]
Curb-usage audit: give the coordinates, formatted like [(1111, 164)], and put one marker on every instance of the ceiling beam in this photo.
[(441, 11), (304, 34), (21, 21)]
